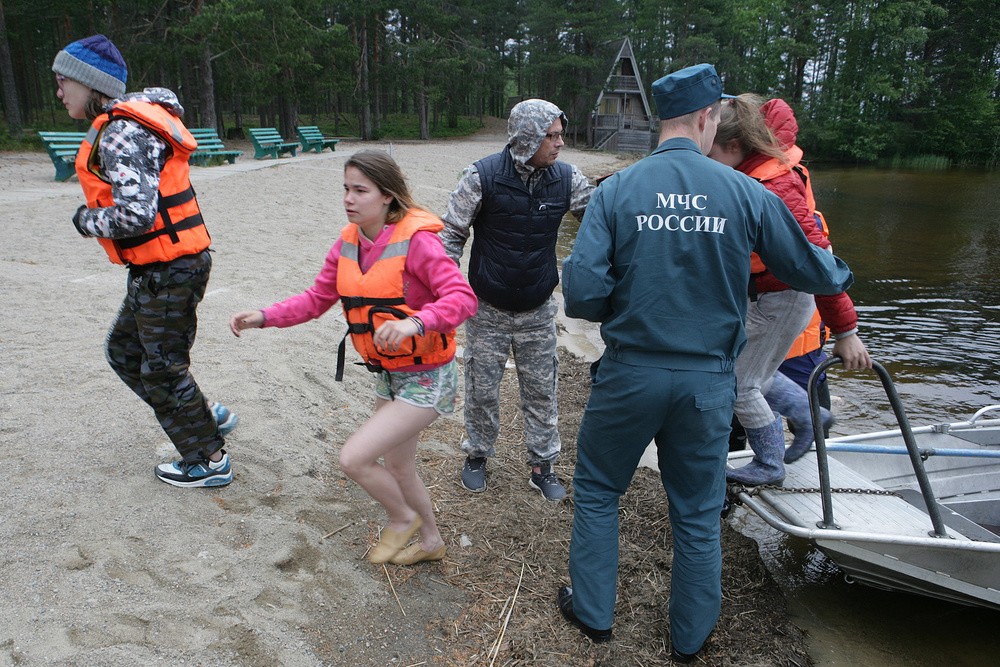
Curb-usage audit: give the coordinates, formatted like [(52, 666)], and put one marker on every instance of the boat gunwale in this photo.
[(782, 524)]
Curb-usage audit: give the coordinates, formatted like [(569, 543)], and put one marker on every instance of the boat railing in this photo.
[(845, 443), (925, 452), (912, 449), (773, 519), (982, 411)]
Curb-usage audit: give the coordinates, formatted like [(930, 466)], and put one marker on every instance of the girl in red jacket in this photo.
[(759, 140)]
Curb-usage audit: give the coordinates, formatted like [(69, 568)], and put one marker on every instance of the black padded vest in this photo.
[(512, 265)]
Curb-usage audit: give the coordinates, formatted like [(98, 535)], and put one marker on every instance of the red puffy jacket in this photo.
[(836, 310)]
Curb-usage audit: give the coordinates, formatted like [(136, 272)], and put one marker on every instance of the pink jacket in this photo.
[(433, 283)]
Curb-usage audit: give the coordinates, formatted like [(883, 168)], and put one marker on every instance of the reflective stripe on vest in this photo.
[(375, 296), (178, 228)]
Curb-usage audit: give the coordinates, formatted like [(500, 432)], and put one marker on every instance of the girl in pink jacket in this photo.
[(389, 246)]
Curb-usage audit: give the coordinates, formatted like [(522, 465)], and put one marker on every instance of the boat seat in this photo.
[(951, 519)]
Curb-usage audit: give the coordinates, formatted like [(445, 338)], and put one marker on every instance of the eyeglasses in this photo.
[(552, 136)]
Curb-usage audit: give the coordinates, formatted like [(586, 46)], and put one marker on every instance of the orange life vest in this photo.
[(373, 297), (815, 333), (179, 228), (774, 168), (813, 337)]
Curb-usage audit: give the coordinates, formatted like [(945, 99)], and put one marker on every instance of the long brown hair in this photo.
[(383, 171), (742, 120)]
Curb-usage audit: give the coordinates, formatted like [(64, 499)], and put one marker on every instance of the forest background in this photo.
[(871, 80)]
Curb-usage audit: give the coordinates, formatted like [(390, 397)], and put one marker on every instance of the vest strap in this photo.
[(164, 204), (341, 352), (349, 302), (169, 228), (338, 376), (177, 199)]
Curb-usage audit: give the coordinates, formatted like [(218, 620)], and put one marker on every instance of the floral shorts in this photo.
[(424, 389)]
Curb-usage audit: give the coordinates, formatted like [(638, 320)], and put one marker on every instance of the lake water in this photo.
[(925, 251)]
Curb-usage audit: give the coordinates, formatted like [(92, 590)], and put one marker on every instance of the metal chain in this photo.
[(752, 491)]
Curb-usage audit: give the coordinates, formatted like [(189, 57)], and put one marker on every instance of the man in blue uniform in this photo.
[(662, 261)]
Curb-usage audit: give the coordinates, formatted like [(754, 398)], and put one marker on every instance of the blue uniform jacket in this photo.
[(662, 259)]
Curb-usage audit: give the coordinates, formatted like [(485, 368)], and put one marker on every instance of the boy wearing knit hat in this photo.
[(133, 167), (662, 261), (96, 63)]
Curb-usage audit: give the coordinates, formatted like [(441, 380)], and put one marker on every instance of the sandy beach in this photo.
[(101, 564)]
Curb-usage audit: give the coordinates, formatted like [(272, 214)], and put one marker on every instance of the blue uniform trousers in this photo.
[(687, 414)]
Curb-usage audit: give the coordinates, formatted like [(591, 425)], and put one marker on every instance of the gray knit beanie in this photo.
[(96, 63)]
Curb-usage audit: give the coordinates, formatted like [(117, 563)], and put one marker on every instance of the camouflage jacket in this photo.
[(132, 158), (526, 128)]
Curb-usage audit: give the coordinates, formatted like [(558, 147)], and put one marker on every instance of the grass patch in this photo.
[(402, 126), (28, 141), (920, 163)]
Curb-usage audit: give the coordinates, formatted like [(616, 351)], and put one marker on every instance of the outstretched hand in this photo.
[(853, 352), (248, 319)]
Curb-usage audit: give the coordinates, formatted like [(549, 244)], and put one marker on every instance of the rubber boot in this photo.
[(791, 401), (768, 445)]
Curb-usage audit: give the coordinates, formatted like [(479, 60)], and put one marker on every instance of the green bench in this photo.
[(267, 141), (312, 139), (62, 148), (210, 146)]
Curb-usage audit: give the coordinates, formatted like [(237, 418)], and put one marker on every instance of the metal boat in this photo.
[(913, 509)]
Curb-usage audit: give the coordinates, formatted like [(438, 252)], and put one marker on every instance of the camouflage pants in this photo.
[(490, 336), (149, 347)]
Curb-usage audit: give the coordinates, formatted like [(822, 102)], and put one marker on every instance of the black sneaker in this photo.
[(546, 483), (565, 601), (682, 658), (474, 473)]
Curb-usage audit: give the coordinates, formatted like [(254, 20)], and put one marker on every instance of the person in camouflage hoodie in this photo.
[(123, 165), (512, 203)]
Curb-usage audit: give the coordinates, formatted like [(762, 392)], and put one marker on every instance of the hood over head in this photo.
[(527, 126), (780, 119), (162, 96)]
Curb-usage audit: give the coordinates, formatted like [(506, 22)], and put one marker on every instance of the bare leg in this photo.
[(393, 425), (401, 463)]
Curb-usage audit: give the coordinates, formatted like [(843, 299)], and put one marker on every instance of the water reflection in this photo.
[(851, 624), (925, 251)]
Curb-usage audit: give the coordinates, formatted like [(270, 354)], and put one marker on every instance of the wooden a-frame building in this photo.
[(621, 119)]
